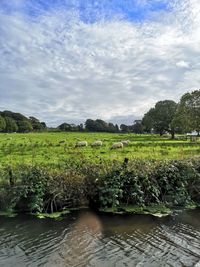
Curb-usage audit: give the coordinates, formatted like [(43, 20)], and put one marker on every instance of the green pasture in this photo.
[(55, 148)]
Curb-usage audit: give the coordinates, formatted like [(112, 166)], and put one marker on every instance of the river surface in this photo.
[(87, 239)]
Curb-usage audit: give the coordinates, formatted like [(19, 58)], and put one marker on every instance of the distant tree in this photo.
[(90, 125), (111, 127), (80, 127), (2, 124), (124, 128), (11, 125), (65, 127), (24, 126), (147, 121), (137, 127), (44, 126), (116, 128), (161, 116), (13, 115), (101, 126), (36, 124), (187, 117), (97, 126)]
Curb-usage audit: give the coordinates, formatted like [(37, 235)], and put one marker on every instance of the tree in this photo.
[(124, 128), (2, 124), (36, 124), (65, 127), (11, 125), (24, 126), (111, 128), (187, 117), (90, 125), (80, 127), (137, 127), (13, 115), (147, 121), (116, 128), (161, 116), (99, 126), (44, 126)]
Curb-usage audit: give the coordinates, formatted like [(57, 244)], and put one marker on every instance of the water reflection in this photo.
[(87, 239), (81, 243)]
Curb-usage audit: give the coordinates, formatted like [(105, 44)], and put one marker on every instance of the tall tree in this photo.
[(187, 117), (11, 125), (137, 127), (160, 117), (124, 128), (147, 121), (2, 124), (24, 126), (36, 124)]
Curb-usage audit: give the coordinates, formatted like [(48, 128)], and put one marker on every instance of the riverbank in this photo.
[(115, 186)]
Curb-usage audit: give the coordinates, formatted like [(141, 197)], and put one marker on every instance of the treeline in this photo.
[(166, 116), (16, 122), (90, 126), (171, 117), (102, 126)]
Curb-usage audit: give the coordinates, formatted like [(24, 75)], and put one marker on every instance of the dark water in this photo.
[(87, 239)]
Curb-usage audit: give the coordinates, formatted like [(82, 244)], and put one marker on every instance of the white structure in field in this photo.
[(193, 136)]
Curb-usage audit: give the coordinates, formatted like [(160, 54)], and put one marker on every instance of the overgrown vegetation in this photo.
[(117, 184), (45, 173)]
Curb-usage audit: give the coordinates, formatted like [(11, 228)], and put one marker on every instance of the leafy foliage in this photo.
[(160, 117), (188, 113), (143, 183), (2, 124)]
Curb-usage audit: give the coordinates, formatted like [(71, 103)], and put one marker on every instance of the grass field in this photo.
[(53, 148)]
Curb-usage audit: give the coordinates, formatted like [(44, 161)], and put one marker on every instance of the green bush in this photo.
[(75, 183)]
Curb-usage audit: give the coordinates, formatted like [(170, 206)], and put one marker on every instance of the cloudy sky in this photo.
[(68, 60)]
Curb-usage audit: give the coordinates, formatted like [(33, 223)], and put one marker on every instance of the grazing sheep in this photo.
[(97, 143), (125, 142), (117, 145), (81, 143)]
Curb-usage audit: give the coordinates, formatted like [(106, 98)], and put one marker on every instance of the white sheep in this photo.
[(117, 145), (97, 143), (125, 142), (81, 143)]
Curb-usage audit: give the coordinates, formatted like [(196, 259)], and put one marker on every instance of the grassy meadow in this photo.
[(44, 172), (54, 148)]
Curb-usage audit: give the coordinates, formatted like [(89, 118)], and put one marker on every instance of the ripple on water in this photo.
[(86, 239)]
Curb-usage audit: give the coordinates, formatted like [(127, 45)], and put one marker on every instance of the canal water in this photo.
[(87, 239)]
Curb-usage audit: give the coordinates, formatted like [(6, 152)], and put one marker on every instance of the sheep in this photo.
[(97, 143), (117, 145), (125, 142), (81, 143)]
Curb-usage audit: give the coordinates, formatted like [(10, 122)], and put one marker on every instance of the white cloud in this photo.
[(58, 68), (182, 64)]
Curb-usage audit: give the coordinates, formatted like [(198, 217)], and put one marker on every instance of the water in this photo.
[(86, 239)]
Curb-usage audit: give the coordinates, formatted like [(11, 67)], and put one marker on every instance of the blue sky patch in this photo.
[(90, 11)]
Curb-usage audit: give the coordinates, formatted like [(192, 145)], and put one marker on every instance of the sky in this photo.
[(69, 60)]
